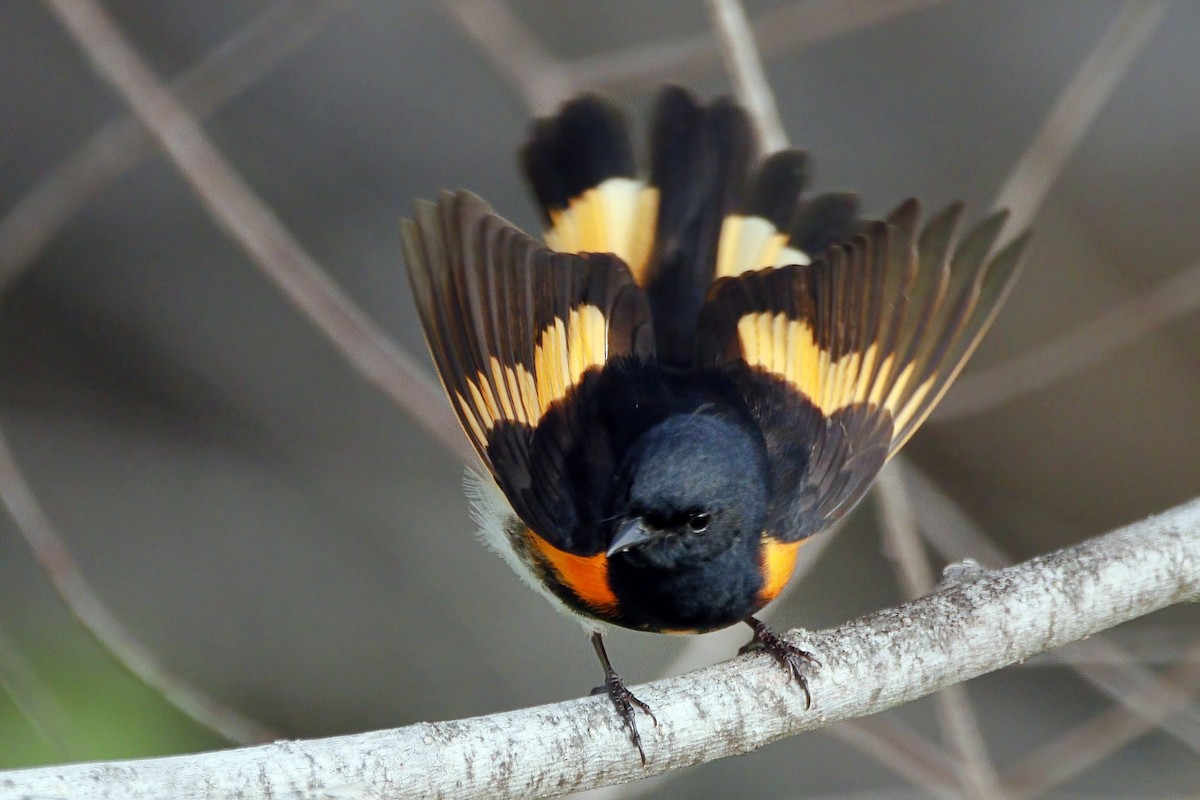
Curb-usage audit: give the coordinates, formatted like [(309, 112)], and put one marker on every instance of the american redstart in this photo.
[(696, 371)]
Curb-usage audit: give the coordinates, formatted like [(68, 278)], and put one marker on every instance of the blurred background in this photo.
[(284, 537)]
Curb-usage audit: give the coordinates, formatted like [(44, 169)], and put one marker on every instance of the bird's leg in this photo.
[(621, 697), (792, 658)]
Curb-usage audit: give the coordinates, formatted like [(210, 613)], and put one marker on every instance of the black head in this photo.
[(693, 487)]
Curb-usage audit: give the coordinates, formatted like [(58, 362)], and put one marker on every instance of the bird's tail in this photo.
[(708, 209)]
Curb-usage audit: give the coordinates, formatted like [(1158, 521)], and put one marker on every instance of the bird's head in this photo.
[(693, 487)]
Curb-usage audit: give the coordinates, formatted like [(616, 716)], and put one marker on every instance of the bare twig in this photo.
[(901, 540), (1075, 351), (899, 748), (1023, 194), (1156, 644), (542, 79), (1078, 104), (233, 204), (1120, 679), (870, 664), (64, 574), (777, 31), (33, 699), (1140, 690), (226, 70), (1102, 735), (956, 715), (745, 68), (117, 146)]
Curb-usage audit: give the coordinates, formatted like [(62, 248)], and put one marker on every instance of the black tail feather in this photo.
[(585, 144), (702, 170), (699, 159), (822, 221), (774, 193)]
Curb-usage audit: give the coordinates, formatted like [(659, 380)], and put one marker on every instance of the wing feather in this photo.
[(514, 329), (858, 347)]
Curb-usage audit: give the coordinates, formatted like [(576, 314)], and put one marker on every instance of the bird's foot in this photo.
[(789, 656), (624, 700)]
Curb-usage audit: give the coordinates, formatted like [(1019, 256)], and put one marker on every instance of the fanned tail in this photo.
[(709, 209), (581, 167)]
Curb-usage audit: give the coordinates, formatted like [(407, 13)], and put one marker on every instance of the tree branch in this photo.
[(956, 716), (543, 80), (36, 528), (1076, 107), (870, 664), (231, 67), (780, 30), (1028, 184), (1119, 676), (1092, 741), (745, 68), (249, 222), (1076, 350)]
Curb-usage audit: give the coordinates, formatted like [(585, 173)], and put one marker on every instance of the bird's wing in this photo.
[(842, 359), (515, 330)]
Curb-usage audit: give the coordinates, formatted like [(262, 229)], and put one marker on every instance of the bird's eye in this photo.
[(698, 523)]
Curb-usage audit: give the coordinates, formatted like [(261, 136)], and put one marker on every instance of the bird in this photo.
[(694, 370)]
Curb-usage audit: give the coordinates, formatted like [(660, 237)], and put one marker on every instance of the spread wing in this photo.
[(841, 360), (515, 330)]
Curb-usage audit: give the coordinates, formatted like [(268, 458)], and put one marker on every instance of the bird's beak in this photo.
[(630, 533)]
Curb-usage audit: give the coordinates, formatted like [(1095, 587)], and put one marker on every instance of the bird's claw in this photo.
[(792, 658), (625, 702)]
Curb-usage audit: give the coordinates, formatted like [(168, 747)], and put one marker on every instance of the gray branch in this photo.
[(870, 664)]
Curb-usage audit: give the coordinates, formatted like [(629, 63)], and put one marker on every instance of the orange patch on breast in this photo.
[(778, 563), (585, 576)]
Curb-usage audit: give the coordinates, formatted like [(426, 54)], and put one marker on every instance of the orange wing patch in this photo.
[(778, 564), (511, 393), (615, 217), (586, 577)]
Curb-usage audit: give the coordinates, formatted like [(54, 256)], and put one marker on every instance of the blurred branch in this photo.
[(1076, 350), (956, 715), (1023, 193), (1106, 666), (542, 79), (1076, 108), (1104, 734), (1158, 644), (242, 215), (870, 664), (904, 751), (33, 699), (545, 80), (225, 71), (776, 31), (60, 567), (744, 66)]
